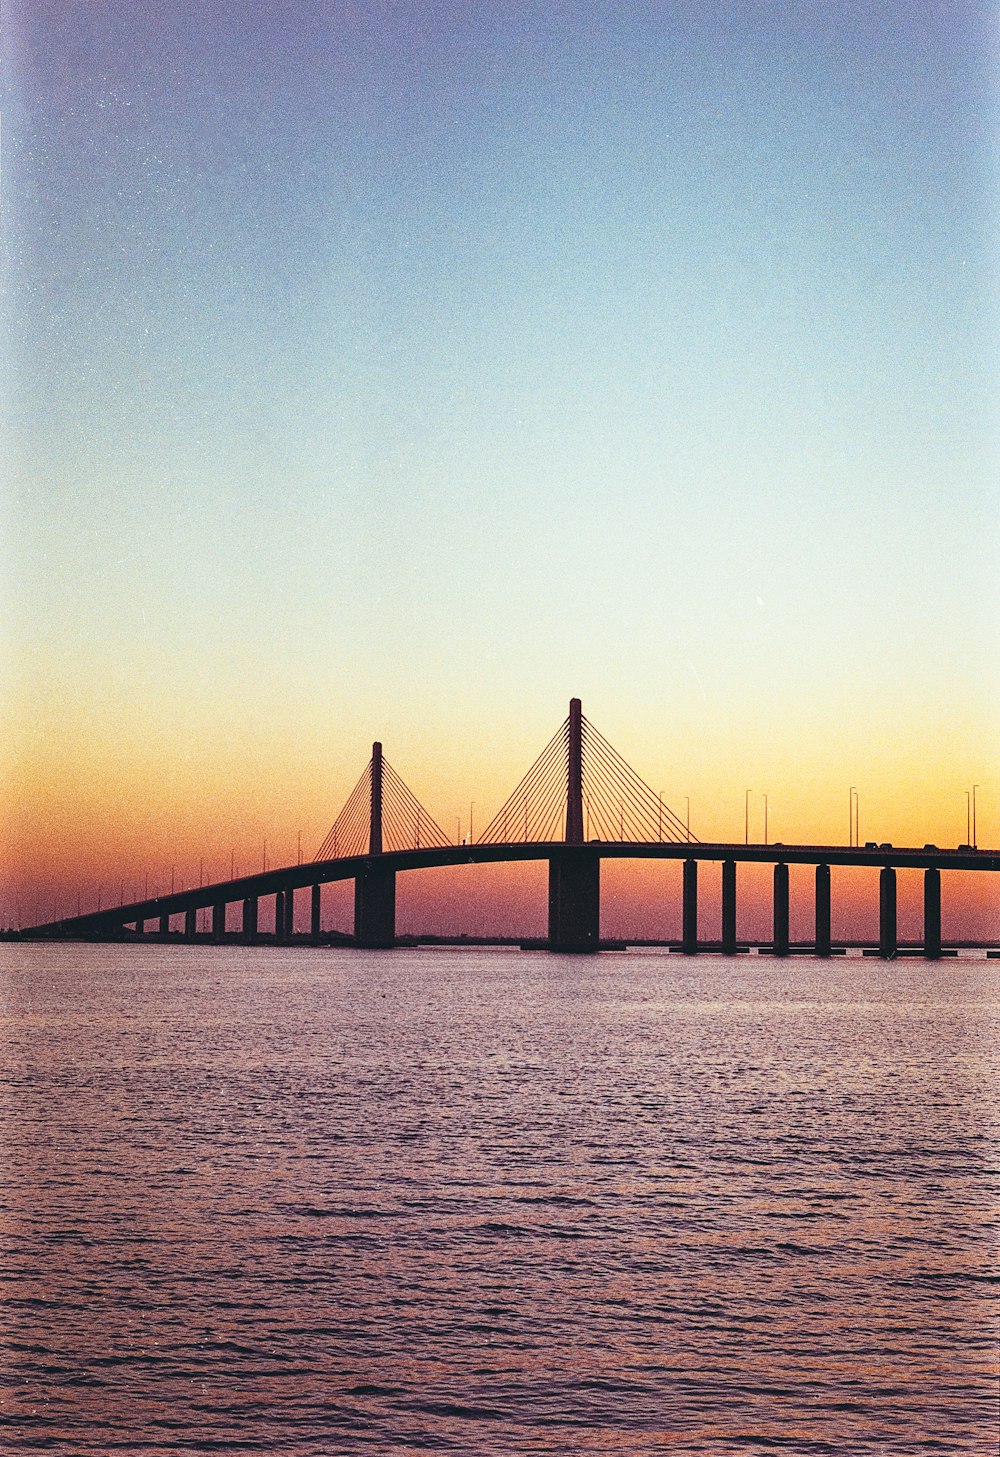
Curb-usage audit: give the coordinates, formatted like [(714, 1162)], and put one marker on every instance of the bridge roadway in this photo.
[(574, 888)]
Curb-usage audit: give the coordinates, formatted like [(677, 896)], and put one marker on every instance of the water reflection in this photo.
[(327, 1202)]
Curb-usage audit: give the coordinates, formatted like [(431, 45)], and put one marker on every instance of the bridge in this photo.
[(578, 804)]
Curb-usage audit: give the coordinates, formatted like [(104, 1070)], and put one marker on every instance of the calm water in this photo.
[(333, 1202)]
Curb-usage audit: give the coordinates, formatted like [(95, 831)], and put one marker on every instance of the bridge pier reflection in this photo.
[(822, 910), (575, 902)]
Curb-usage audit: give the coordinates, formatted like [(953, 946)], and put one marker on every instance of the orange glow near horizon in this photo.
[(112, 811)]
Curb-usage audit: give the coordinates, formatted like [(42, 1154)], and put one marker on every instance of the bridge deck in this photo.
[(324, 872)]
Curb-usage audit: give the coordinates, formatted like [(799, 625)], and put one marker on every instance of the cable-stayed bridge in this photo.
[(578, 804)]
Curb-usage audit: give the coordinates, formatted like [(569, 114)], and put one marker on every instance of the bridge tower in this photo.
[(374, 885), (375, 816), (574, 873)]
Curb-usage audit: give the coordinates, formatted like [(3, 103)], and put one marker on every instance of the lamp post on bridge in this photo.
[(974, 788)]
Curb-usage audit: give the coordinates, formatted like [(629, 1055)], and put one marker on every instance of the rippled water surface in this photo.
[(332, 1201)]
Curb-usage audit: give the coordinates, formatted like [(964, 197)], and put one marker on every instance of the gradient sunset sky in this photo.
[(400, 370)]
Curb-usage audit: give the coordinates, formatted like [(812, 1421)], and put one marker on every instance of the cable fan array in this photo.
[(406, 825), (536, 810), (616, 803)]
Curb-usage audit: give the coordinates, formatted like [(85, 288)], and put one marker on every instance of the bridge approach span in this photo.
[(578, 865)]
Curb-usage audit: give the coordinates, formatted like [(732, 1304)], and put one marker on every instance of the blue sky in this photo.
[(387, 368)]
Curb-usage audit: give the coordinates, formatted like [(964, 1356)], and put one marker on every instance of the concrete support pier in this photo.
[(164, 925), (250, 916), (279, 915), (314, 915), (219, 920), (689, 905), (932, 913), (190, 925), (887, 944), (574, 902), (780, 921), (822, 910), (375, 908), (289, 926), (729, 907)]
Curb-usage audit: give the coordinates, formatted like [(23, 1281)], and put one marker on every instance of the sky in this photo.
[(398, 371)]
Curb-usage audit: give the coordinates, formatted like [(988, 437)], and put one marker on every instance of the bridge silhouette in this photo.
[(578, 804)]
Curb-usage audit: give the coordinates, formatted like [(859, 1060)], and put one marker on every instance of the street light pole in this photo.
[(974, 788)]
